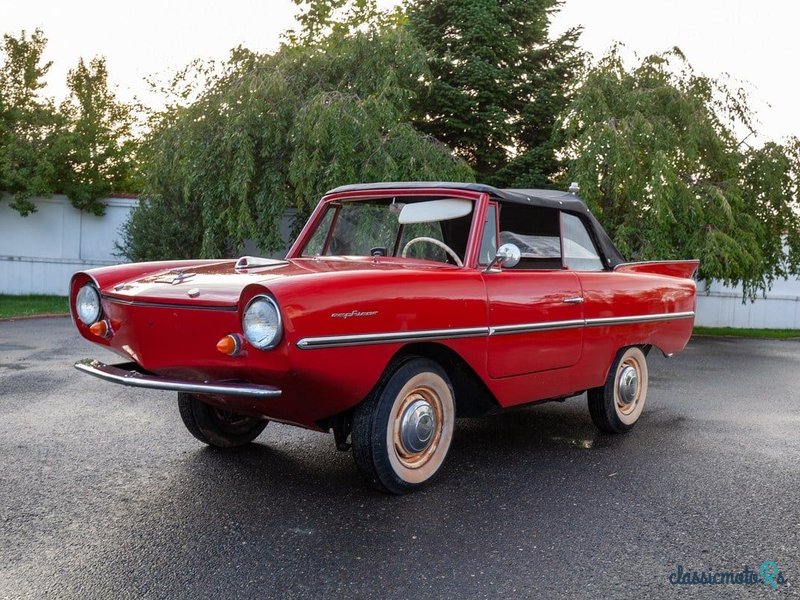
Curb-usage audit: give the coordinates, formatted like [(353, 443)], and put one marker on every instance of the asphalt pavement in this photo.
[(104, 494)]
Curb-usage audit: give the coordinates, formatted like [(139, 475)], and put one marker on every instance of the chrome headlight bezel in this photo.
[(263, 343), (89, 312)]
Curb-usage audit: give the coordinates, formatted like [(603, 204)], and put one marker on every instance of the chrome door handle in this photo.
[(575, 300)]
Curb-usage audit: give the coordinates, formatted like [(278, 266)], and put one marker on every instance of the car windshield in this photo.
[(434, 229)]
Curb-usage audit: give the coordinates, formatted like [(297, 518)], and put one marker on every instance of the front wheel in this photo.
[(616, 406), (402, 432), (216, 426)]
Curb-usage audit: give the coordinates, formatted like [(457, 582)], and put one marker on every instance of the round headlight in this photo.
[(261, 323), (87, 304)]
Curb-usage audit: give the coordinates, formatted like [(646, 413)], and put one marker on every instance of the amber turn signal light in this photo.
[(229, 345), (100, 329)]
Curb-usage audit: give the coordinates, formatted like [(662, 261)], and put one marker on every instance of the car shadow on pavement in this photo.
[(504, 442)]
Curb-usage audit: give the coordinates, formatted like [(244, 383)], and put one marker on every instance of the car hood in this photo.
[(221, 283)]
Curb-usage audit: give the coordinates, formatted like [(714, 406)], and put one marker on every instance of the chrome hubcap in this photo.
[(628, 385), (417, 426)]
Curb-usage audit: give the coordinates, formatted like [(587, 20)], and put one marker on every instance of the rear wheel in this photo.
[(216, 426), (616, 406), (402, 432)]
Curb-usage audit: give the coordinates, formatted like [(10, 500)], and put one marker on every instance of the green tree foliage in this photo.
[(497, 84), (29, 124), (85, 148), (324, 21), (267, 132), (654, 150), (97, 146)]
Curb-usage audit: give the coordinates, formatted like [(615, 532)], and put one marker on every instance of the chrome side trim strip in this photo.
[(639, 319), (334, 341), (388, 338), (125, 374), (115, 300), (531, 327)]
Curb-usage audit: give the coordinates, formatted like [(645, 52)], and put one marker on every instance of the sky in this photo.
[(755, 43)]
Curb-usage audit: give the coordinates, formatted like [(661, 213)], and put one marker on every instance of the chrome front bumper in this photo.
[(129, 374)]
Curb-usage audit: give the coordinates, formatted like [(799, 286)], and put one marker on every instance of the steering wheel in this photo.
[(435, 242)]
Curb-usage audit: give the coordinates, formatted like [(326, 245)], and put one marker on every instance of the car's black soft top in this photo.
[(557, 199), (549, 198)]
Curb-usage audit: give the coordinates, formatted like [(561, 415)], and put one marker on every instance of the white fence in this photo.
[(720, 306), (40, 252)]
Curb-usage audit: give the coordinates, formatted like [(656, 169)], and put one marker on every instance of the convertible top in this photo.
[(557, 199), (548, 198)]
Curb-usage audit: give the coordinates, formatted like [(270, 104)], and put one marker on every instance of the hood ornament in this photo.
[(175, 276)]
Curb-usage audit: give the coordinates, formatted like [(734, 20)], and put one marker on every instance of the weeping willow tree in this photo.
[(268, 132), (656, 153)]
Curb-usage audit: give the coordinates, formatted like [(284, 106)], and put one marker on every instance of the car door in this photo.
[(535, 310)]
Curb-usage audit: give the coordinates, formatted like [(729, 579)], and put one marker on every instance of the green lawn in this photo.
[(774, 334), (25, 306)]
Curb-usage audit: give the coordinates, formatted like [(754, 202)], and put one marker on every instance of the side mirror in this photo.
[(507, 256)]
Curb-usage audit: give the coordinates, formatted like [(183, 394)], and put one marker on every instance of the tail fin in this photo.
[(686, 269)]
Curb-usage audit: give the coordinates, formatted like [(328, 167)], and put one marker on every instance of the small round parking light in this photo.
[(230, 345), (100, 329)]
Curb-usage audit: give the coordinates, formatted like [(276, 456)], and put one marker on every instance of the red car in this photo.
[(400, 307)]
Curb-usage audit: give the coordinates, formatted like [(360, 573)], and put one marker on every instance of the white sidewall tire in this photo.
[(608, 412), (631, 357), (379, 454), (443, 436)]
